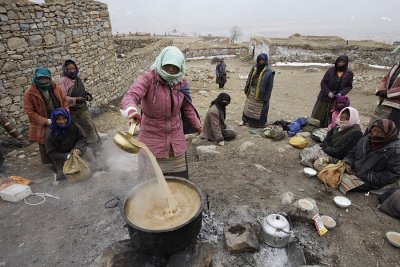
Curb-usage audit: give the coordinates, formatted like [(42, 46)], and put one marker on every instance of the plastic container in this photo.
[(15, 192)]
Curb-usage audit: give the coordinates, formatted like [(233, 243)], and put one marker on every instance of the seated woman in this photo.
[(375, 160), (340, 103), (214, 127), (339, 140), (62, 138)]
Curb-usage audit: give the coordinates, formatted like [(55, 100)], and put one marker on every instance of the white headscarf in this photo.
[(173, 56)]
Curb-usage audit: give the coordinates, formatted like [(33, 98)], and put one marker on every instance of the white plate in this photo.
[(310, 172), (394, 238), (342, 202)]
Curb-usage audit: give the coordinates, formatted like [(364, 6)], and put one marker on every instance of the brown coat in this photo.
[(393, 93), (213, 125), (35, 108)]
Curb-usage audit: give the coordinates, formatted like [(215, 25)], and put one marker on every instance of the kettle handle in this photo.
[(284, 214)]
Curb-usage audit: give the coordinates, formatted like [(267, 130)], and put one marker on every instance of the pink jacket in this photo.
[(162, 125)]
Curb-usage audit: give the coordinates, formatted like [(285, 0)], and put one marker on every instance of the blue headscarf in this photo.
[(57, 129), (42, 72)]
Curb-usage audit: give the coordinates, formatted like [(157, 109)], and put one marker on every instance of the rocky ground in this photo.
[(242, 185)]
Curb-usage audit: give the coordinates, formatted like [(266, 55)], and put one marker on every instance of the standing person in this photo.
[(388, 92), (214, 127), (75, 91), (337, 81), (161, 93), (40, 99), (62, 138), (258, 90), (220, 73), (339, 104)]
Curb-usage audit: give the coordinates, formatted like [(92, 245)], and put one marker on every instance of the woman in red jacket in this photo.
[(40, 99)]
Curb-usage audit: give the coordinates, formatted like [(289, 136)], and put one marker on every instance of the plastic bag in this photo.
[(274, 132), (332, 174), (76, 169), (298, 142)]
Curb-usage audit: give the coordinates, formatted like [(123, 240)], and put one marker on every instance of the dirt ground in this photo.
[(74, 229)]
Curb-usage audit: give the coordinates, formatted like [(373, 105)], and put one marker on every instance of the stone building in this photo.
[(47, 34)]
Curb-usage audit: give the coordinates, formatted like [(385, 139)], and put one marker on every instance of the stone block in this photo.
[(9, 66), (35, 40), (241, 238), (24, 26), (12, 15), (3, 10), (2, 47), (21, 81), (14, 27), (15, 43), (199, 255), (49, 39), (207, 152)]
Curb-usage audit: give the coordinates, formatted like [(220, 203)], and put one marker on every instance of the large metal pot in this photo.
[(168, 241), (276, 230)]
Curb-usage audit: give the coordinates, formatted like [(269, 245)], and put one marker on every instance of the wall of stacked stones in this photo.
[(357, 55), (206, 52), (47, 34)]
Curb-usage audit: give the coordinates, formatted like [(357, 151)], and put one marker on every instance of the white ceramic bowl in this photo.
[(342, 202), (309, 172), (328, 221), (394, 238), (305, 204)]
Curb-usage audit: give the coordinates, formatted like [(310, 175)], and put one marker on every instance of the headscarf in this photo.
[(390, 133), (222, 100), (354, 118), (41, 72), (57, 129), (71, 75), (259, 66), (340, 103), (173, 56), (341, 58)]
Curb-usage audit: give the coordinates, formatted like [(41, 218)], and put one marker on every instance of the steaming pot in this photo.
[(168, 241), (276, 230)]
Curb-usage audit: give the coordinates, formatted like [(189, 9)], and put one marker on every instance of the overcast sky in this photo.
[(350, 19)]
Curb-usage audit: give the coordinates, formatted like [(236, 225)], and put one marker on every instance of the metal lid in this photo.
[(277, 221)]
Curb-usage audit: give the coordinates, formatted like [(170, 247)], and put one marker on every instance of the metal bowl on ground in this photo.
[(328, 221), (342, 202), (309, 172), (164, 241), (393, 238)]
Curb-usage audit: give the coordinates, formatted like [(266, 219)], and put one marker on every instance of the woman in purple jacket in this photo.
[(337, 81), (162, 95)]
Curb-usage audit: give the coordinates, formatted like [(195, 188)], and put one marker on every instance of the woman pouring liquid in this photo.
[(162, 93)]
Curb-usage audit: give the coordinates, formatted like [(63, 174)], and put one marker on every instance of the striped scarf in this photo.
[(258, 91)]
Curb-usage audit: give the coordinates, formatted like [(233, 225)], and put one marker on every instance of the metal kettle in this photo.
[(276, 230)]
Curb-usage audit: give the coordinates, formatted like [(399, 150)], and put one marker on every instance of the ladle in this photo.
[(127, 142)]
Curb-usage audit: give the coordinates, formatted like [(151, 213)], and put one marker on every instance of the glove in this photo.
[(381, 94), (88, 97), (49, 122), (331, 95), (222, 143), (134, 116)]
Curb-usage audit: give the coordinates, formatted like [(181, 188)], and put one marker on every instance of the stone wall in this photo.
[(47, 34), (215, 51), (324, 49)]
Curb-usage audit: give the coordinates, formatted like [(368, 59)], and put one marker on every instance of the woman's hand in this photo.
[(348, 168), (331, 95), (199, 130), (134, 116), (76, 152)]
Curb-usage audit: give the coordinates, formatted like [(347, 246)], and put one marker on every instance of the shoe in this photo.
[(241, 123)]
